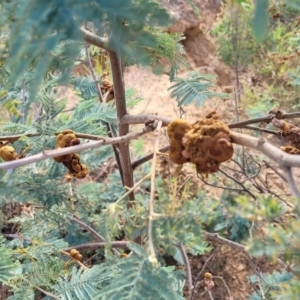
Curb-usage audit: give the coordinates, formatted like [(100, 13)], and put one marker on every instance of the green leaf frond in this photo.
[(271, 284), (131, 98), (168, 55), (51, 107), (85, 86), (9, 267), (194, 88), (130, 278), (39, 26), (136, 278), (93, 111), (62, 60)]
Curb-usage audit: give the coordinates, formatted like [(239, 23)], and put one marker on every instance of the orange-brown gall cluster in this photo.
[(75, 254), (71, 161), (290, 149), (290, 131), (107, 88), (206, 143), (7, 153)]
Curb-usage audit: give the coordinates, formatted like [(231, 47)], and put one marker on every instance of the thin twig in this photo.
[(108, 125), (130, 190), (17, 236), (226, 286), (262, 129), (78, 262), (263, 120), (41, 290), (218, 186), (152, 257), (95, 246), (214, 237), (187, 268), (291, 181), (98, 89), (94, 233), (275, 170), (13, 138), (213, 255), (239, 183), (146, 158)]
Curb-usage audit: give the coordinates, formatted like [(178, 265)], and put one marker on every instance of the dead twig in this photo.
[(187, 268), (146, 158), (95, 246), (269, 118), (206, 264), (224, 283), (41, 290), (152, 257)]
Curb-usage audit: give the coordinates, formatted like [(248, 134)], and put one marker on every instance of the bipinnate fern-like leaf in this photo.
[(136, 278), (46, 26), (9, 268), (270, 283), (194, 88), (131, 278), (85, 86), (51, 106)]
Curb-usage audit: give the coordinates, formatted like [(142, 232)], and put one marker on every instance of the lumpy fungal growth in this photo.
[(205, 143), (71, 161), (176, 131), (7, 153), (66, 138), (290, 131)]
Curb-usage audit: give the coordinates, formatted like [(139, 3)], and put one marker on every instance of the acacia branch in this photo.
[(141, 119), (152, 195), (282, 158), (73, 149), (263, 120), (108, 125), (187, 268), (119, 92), (146, 158), (291, 181), (95, 40), (98, 89), (13, 138), (93, 232), (42, 290), (285, 160), (95, 246)]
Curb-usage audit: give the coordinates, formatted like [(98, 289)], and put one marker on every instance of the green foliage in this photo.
[(260, 20), (194, 88), (130, 278), (37, 27), (9, 267), (270, 284), (38, 52), (235, 41)]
